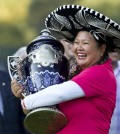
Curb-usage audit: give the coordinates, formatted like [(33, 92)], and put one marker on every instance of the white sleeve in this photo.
[(54, 94)]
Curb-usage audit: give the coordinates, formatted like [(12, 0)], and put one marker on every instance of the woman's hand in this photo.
[(25, 110), (16, 88)]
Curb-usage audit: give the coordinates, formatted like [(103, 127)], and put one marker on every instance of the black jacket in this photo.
[(11, 122)]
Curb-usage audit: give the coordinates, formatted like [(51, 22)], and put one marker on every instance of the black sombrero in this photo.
[(67, 20)]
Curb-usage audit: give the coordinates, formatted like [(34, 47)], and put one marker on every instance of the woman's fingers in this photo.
[(25, 110), (16, 88), (19, 93)]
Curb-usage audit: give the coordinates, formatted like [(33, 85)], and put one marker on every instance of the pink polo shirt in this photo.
[(92, 113)]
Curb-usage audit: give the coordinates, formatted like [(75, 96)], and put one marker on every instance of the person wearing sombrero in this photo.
[(88, 99)]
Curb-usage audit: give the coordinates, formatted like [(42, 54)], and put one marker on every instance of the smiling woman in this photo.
[(87, 100), (87, 51)]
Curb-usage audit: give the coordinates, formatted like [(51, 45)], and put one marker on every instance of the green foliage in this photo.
[(10, 34), (39, 10)]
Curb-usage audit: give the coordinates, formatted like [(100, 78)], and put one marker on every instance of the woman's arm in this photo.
[(53, 95)]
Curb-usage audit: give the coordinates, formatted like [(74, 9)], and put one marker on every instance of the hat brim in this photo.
[(67, 20)]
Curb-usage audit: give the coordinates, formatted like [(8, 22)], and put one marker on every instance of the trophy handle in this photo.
[(13, 63)]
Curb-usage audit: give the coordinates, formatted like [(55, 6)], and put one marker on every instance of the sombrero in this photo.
[(67, 20)]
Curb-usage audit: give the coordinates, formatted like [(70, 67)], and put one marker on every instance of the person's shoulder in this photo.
[(101, 67), (95, 69), (97, 72)]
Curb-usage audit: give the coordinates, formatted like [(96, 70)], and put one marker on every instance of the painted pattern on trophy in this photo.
[(41, 63), (45, 55)]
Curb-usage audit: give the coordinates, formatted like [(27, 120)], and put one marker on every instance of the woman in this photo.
[(88, 99)]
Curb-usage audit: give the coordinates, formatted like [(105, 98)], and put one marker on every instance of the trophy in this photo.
[(45, 65)]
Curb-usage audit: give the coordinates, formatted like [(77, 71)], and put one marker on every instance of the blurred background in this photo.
[(21, 21)]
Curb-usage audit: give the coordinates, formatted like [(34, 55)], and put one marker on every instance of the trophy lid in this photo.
[(45, 37)]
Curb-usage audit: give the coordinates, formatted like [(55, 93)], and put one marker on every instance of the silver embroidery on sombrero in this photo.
[(81, 20), (76, 25), (58, 25), (54, 24), (113, 31), (63, 20), (98, 35), (95, 21), (117, 42)]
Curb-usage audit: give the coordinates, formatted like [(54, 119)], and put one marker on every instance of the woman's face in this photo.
[(87, 52)]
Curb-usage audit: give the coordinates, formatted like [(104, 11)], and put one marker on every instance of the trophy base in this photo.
[(45, 120)]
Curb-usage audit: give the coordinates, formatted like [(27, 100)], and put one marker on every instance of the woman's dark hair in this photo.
[(100, 42)]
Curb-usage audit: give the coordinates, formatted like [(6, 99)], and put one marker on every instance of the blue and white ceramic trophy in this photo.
[(45, 65)]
